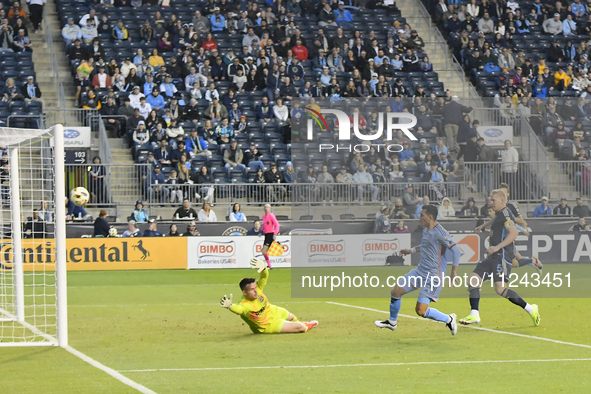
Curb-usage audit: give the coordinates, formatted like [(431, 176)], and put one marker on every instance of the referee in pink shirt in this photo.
[(270, 230)]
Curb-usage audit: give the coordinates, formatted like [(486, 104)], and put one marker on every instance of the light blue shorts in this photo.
[(428, 290)]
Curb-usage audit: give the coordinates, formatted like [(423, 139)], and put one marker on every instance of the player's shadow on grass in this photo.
[(31, 356)]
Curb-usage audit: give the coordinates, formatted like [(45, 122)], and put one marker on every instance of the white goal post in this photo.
[(33, 279)]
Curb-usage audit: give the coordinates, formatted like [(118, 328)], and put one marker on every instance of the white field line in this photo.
[(471, 326), (358, 365), (111, 372)]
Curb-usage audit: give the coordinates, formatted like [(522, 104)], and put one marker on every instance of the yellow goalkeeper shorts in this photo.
[(278, 319)]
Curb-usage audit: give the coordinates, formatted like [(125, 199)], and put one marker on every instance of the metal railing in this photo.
[(49, 44), (72, 117)]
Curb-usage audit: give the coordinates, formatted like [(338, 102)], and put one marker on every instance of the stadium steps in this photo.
[(43, 59), (435, 47), (124, 177)]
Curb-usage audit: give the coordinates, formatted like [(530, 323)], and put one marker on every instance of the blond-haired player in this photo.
[(521, 225), (255, 309), (497, 266)]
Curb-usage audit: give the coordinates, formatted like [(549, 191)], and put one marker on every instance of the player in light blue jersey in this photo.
[(428, 276)]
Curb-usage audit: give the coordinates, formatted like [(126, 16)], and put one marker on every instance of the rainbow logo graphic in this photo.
[(317, 117)]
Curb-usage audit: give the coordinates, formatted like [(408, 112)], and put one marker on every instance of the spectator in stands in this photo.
[(563, 208), (88, 32), (543, 209), (256, 228), (581, 210), (185, 212), (364, 183), (446, 210), (205, 180), (400, 227), (92, 16), (509, 165), (343, 17), (580, 226), (410, 201), (206, 214), (436, 180), (486, 25), (132, 231), (470, 209), (152, 230), (22, 43), (273, 177), (174, 182), (70, 32), (424, 201), (562, 80), (452, 117), (559, 135), (446, 166), (236, 215), (382, 221), (326, 190), (216, 111), (197, 146), (173, 231), (399, 211), (156, 187), (101, 226), (139, 214), (74, 211), (553, 26), (569, 26), (30, 90), (191, 230), (140, 135)]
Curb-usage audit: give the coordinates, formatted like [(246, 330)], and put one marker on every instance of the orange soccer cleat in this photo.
[(311, 324)]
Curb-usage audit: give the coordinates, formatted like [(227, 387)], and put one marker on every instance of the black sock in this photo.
[(525, 261), (474, 299), (515, 298)]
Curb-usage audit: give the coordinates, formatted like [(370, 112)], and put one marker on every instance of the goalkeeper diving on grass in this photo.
[(432, 266), (255, 309)]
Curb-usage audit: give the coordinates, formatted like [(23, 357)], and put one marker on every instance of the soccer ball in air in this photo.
[(112, 232), (80, 196)]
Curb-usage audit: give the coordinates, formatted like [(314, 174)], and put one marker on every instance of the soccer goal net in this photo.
[(33, 297)]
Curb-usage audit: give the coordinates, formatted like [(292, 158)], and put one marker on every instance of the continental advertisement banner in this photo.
[(95, 254)]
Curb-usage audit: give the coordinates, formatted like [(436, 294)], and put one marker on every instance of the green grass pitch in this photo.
[(166, 331)]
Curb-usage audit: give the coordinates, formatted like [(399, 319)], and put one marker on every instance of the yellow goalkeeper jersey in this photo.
[(259, 313)]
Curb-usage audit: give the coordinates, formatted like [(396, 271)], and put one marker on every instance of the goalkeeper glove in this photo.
[(226, 302), (258, 265)]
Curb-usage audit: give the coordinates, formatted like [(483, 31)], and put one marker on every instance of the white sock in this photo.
[(475, 313), (528, 308), (393, 322)]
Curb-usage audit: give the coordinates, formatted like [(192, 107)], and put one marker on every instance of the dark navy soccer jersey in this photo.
[(499, 229), (513, 209)]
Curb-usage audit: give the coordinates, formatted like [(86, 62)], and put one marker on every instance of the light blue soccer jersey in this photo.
[(434, 244)]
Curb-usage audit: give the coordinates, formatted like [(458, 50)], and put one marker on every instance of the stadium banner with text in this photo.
[(232, 252), (97, 254), (77, 137), (496, 135)]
